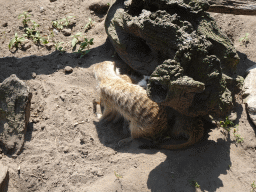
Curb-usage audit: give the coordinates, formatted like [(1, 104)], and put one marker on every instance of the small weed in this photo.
[(65, 21), (85, 45), (16, 41), (33, 32), (195, 184), (60, 24), (237, 136), (75, 39), (58, 47), (25, 20), (244, 40), (45, 41), (253, 185), (89, 24), (225, 124), (117, 175)]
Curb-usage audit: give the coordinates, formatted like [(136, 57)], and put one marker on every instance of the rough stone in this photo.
[(49, 46), (33, 74), (41, 9), (249, 93), (191, 63), (15, 102), (56, 32), (68, 69), (4, 177), (26, 44), (99, 7), (66, 32)]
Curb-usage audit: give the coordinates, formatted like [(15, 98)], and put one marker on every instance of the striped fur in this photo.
[(119, 96)]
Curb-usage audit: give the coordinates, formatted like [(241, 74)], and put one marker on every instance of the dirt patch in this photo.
[(67, 149)]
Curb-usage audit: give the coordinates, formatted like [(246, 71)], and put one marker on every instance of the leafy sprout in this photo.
[(244, 40), (25, 20), (59, 24), (16, 41), (89, 24), (75, 39), (85, 47)]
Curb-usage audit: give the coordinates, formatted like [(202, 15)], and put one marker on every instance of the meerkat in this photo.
[(147, 118)]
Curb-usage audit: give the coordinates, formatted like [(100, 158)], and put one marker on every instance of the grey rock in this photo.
[(52, 0), (68, 69), (15, 102), (249, 93), (191, 62), (4, 178), (66, 32)]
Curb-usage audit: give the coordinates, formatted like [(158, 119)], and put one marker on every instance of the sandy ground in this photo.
[(68, 149)]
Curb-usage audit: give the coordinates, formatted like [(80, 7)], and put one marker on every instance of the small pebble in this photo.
[(66, 32), (66, 149), (5, 24), (49, 46), (26, 44), (75, 124), (33, 74), (68, 69), (55, 31), (41, 10)]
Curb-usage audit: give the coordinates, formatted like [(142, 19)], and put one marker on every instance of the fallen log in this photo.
[(232, 7)]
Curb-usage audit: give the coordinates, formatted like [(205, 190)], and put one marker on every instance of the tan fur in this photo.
[(147, 118)]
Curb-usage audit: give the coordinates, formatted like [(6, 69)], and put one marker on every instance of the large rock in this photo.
[(4, 177), (15, 101), (249, 93), (192, 64)]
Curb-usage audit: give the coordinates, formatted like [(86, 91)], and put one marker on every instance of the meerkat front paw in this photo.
[(125, 141)]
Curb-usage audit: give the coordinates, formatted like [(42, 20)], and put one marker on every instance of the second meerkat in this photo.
[(147, 118)]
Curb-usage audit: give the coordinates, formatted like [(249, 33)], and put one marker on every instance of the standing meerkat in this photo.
[(147, 118)]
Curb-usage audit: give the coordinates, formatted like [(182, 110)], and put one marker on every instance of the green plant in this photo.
[(37, 38), (225, 124), (58, 47), (195, 184), (237, 136), (75, 39), (45, 41), (16, 41), (89, 24), (33, 32), (59, 24), (253, 185), (25, 20), (118, 176), (85, 45), (244, 40)]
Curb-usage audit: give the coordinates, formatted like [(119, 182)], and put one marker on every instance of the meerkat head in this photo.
[(105, 69)]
